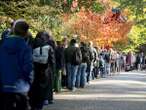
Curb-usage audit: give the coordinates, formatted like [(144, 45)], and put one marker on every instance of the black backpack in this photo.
[(91, 54), (107, 58), (85, 54), (76, 57)]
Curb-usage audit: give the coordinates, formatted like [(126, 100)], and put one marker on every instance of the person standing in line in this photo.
[(81, 75), (112, 61), (52, 63), (107, 59), (96, 63), (95, 56), (64, 75), (43, 58), (117, 62), (90, 63), (73, 58), (15, 69), (102, 65), (121, 62), (142, 60), (128, 61), (137, 62), (60, 65)]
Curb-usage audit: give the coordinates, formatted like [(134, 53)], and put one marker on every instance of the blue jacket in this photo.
[(15, 65)]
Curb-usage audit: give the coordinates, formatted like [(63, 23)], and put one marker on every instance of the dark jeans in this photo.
[(90, 75), (64, 81), (96, 72), (13, 101)]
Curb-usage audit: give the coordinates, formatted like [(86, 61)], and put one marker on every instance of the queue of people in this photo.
[(31, 69)]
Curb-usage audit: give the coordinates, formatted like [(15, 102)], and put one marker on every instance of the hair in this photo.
[(73, 41), (82, 43), (43, 35), (64, 39), (39, 34), (59, 43), (20, 28)]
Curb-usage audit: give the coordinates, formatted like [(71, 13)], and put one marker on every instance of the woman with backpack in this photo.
[(43, 57)]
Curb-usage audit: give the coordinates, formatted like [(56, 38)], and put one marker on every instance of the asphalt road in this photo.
[(125, 91)]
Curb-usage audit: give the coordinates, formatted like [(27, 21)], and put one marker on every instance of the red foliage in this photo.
[(101, 29)]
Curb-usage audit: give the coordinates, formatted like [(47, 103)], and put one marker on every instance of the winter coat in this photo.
[(70, 54), (43, 72), (60, 60), (138, 59), (85, 54), (15, 65)]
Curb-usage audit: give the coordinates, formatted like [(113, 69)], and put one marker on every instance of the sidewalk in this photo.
[(126, 91)]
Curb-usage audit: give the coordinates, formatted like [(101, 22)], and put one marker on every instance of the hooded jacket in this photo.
[(15, 65)]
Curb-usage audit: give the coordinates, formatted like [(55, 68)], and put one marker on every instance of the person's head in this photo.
[(82, 44), (90, 43), (59, 43), (65, 41), (105, 50), (20, 28), (142, 53), (73, 42), (43, 36)]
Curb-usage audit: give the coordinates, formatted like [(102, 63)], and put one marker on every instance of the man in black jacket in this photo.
[(73, 58), (60, 65)]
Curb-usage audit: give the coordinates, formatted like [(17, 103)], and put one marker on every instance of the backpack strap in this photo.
[(41, 50)]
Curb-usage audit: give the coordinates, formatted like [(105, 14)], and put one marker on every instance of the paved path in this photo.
[(126, 91)]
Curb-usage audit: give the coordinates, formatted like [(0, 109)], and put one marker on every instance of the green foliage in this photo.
[(40, 17), (136, 6), (137, 9), (93, 5), (136, 39), (42, 14), (86, 3), (2, 28), (97, 7), (47, 14), (120, 45)]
